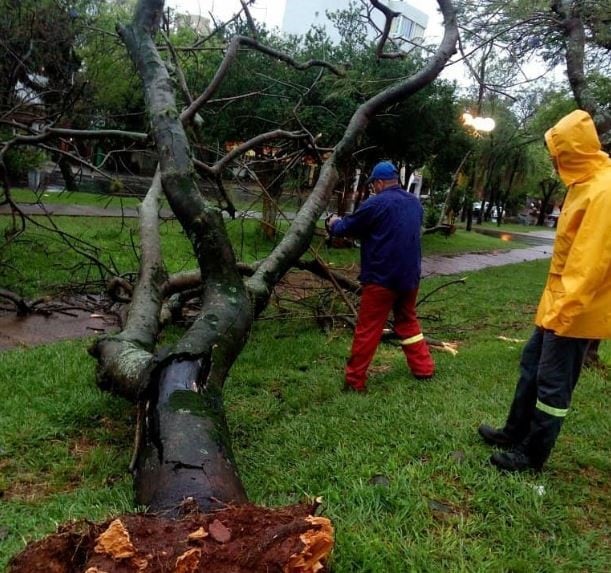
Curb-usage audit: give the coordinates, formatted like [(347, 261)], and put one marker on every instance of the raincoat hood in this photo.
[(574, 144), (576, 301)]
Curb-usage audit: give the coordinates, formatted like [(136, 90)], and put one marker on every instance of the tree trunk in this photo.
[(187, 451), (67, 174), (548, 188), (571, 24), (183, 386)]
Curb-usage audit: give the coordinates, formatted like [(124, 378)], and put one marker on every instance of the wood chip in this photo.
[(115, 542), (318, 543), (504, 338), (200, 533), (188, 562)]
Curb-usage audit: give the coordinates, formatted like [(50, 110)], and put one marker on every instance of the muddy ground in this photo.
[(74, 316), (243, 539)]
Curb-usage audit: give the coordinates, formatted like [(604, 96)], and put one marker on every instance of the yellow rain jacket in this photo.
[(576, 301)]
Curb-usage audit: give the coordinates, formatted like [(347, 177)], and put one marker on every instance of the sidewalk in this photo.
[(436, 265), (542, 242), (60, 209)]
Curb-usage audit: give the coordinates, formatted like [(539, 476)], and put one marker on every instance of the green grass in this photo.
[(40, 262), (296, 435), (244, 200), (64, 445)]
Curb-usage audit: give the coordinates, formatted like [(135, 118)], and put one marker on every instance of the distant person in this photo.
[(576, 303), (388, 227)]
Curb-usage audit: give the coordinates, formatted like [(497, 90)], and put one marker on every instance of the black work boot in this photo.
[(514, 461), (357, 389), (495, 437)]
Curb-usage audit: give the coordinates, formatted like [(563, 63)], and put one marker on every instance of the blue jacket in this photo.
[(388, 226)]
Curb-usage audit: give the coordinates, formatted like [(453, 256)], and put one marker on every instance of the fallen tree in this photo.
[(184, 461)]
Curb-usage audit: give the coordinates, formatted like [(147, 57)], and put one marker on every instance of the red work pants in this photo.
[(376, 304)]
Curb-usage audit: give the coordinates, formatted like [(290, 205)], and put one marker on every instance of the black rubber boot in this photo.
[(515, 461), (495, 437)]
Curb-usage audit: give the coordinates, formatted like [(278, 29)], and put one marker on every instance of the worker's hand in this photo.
[(330, 221)]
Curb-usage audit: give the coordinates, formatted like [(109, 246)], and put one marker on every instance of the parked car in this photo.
[(477, 206)]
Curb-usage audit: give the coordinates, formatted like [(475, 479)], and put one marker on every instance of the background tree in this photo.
[(572, 32)]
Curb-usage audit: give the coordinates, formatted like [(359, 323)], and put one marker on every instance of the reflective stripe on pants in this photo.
[(376, 304), (549, 370)]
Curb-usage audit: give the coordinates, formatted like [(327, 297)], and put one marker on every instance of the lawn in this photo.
[(40, 261), (402, 473)]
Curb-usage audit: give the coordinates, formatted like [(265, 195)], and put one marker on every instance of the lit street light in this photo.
[(484, 124)]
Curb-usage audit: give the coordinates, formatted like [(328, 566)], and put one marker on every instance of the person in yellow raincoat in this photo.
[(576, 302)]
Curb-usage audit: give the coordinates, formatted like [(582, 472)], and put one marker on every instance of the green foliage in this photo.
[(40, 51), (600, 86), (431, 215), (19, 160), (508, 163), (113, 96), (551, 106)]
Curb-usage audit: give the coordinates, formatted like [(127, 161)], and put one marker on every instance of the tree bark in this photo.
[(572, 26), (184, 385)]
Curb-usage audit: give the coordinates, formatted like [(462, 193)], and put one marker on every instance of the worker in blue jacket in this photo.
[(388, 227)]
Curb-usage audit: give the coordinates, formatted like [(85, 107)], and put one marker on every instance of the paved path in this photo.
[(439, 265), (78, 210), (541, 240)]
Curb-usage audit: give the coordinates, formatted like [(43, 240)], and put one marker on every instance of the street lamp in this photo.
[(483, 124), (478, 125)]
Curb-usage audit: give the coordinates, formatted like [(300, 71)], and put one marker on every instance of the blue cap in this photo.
[(384, 170)]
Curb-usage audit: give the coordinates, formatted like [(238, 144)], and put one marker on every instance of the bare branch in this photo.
[(51, 132), (22, 305), (123, 357), (389, 16), (182, 82), (296, 240), (249, 19), (256, 142), (231, 54)]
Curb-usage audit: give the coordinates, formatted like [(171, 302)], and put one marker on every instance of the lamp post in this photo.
[(478, 125)]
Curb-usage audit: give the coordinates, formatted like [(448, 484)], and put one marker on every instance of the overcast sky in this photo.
[(271, 11)]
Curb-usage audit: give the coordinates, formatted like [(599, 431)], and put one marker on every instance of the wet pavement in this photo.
[(34, 329), (39, 209), (440, 265)]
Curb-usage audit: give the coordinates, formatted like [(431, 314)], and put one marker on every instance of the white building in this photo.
[(301, 15)]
